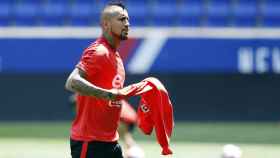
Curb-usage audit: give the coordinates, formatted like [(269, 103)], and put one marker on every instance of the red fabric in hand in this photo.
[(155, 110)]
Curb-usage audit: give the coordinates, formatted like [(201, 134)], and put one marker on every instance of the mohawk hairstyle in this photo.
[(117, 3)]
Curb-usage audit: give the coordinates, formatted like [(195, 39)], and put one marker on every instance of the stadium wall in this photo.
[(211, 74)]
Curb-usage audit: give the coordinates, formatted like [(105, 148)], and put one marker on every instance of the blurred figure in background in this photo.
[(231, 151), (128, 122)]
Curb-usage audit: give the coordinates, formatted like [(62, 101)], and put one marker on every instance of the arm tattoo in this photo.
[(84, 87), (77, 83)]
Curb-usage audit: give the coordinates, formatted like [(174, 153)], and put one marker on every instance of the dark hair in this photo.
[(117, 3)]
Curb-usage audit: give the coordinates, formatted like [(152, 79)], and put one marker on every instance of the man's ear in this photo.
[(106, 25)]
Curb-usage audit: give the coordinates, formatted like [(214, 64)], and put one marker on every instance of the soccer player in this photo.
[(96, 79), (128, 120)]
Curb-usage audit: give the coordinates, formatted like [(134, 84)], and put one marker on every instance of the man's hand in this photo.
[(115, 94)]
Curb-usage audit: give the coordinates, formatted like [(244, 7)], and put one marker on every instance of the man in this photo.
[(96, 79), (128, 119)]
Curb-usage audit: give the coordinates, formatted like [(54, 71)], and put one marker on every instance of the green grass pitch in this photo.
[(189, 140)]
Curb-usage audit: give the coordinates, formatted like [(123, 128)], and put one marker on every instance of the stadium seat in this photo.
[(129, 2), (5, 14), (218, 13), (164, 14), (85, 1), (143, 13), (192, 1), (271, 1), (83, 14), (91, 2), (190, 13), (37, 2), (271, 14), (54, 14), (159, 2), (245, 13), (221, 1), (139, 15), (59, 1), (8, 1), (26, 14), (102, 3)]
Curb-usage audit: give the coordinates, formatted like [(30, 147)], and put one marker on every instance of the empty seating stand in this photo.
[(191, 13), (245, 13), (54, 13), (139, 14), (210, 13), (84, 14), (5, 14), (164, 14), (270, 12), (218, 13), (26, 14)]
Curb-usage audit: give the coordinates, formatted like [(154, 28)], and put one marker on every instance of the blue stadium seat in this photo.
[(91, 2), (102, 2), (192, 1), (245, 13), (218, 13), (8, 1), (54, 14), (86, 1), (37, 2), (271, 14), (130, 2), (271, 1), (139, 15), (84, 14), (66, 2), (26, 14), (172, 2), (164, 14), (5, 14), (190, 13)]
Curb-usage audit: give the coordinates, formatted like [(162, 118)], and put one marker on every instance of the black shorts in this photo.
[(95, 149)]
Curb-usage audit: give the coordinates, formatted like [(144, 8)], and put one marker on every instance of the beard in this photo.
[(122, 36)]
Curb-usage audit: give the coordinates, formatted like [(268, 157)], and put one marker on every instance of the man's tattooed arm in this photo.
[(76, 82)]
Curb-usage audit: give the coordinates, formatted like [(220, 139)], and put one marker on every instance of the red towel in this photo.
[(155, 110)]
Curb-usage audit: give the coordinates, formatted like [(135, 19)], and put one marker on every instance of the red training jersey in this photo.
[(95, 118)]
